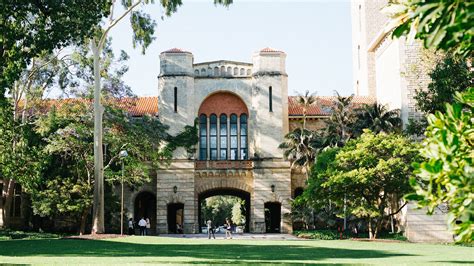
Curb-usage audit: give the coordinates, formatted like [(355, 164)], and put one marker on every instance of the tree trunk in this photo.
[(8, 192), (369, 224), (98, 204), (82, 228)]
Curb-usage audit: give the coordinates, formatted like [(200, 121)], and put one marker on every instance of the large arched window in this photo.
[(203, 137), (223, 132), (213, 137), (243, 137), (233, 137), (223, 137)]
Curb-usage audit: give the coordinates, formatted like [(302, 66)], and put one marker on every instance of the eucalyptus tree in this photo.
[(377, 118), (31, 28), (143, 27)]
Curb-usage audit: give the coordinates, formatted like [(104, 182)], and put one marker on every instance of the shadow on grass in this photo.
[(219, 252)]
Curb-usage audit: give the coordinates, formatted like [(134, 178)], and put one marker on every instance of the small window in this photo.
[(196, 72), (175, 99), (216, 71), (203, 71), (236, 71), (242, 71), (270, 99), (249, 72), (222, 70), (229, 71)]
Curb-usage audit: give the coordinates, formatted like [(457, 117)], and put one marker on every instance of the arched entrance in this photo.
[(145, 206), (272, 217), (225, 192), (175, 218)]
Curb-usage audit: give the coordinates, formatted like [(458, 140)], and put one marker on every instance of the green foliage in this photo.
[(7, 234), (416, 126), (319, 234), (368, 172), (451, 74), (218, 208), (340, 124), (377, 118), (187, 139), (29, 29), (446, 25), (447, 174)]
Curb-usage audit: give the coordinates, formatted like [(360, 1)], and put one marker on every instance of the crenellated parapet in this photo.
[(223, 69)]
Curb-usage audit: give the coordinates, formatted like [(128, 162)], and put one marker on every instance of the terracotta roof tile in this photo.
[(322, 106), (176, 51), (270, 50)]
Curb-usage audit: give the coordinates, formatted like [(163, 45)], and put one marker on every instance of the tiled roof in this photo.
[(134, 106), (322, 106), (176, 51), (140, 106), (270, 50)]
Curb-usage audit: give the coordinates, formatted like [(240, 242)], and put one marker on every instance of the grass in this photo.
[(161, 250)]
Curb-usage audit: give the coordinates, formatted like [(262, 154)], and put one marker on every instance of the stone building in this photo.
[(243, 111), (388, 70)]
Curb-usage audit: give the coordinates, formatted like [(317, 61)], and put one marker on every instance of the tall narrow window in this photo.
[(358, 56), (213, 137), (203, 137), (243, 137), (223, 137), (175, 99), (233, 137), (270, 99)]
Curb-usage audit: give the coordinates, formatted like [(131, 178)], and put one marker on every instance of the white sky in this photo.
[(316, 35)]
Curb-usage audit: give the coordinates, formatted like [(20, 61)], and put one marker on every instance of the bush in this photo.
[(319, 234), (12, 234)]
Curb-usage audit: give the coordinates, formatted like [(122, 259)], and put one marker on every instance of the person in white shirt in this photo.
[(148, 226), (142, 225), (130, 226)]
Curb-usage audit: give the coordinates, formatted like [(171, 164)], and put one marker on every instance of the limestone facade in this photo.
[(261, 87)]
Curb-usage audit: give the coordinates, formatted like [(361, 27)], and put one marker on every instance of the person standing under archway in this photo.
[(228, 228)]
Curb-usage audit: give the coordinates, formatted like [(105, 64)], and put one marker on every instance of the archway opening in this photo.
[(272, 217), (145, 207), (175, 218), (218, 204)]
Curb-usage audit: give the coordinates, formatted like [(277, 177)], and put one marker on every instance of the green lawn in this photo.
[(202, 251)]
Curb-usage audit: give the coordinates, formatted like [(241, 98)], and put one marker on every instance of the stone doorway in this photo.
[(272, 217), (225, 192), (175, 218), (145, 206)]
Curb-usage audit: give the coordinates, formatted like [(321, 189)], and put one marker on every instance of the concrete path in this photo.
[(246, 236)]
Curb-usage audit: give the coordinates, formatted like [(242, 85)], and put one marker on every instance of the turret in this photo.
[(176, 62)]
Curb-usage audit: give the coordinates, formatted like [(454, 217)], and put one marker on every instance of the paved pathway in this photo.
[(246, 236)]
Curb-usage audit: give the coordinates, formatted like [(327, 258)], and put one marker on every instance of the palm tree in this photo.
[(377, 118), (306, 100), (339, 125), (301, 147)]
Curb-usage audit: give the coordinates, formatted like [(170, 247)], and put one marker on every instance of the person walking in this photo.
[(130, 226), (142, 225), (148, 226), (210, 229), (228, 228)]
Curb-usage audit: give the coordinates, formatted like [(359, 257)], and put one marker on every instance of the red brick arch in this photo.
[(223, 103)]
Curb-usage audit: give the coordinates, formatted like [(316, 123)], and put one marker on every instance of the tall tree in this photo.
[(447, 173), (377, 118), (305, 101), (446, 25), (451, 74), (143, 27), (31, 28), (366, 175), (339, 125)]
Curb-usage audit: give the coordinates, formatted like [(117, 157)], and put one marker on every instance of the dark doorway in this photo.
[(145, 206), (225, 192), (175, 218), (272, 217), (298, 192)]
